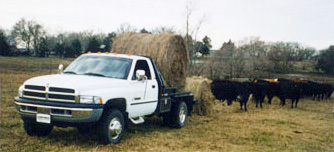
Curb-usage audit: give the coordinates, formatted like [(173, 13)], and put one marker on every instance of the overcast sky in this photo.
[(309, 22)]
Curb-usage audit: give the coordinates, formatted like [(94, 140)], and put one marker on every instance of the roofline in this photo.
[(129, 56)]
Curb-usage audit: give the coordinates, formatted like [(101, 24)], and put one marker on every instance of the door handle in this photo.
[(153, 86)]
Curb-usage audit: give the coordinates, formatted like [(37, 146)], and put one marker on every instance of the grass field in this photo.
[(273, 128)]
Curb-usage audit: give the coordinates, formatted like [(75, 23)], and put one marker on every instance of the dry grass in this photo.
[(273, 128)]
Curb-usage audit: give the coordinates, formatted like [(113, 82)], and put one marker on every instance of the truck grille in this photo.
[(49, 93)]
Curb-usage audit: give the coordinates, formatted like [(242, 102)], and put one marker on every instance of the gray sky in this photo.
[(309, 22)]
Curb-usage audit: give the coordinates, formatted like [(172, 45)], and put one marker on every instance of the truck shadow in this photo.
[(71, 136)]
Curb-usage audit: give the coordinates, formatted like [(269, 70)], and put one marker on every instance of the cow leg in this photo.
[(240, 104), (322, 96), (270, 97), (292, 101), (245, 104), (261, 101), (283, 101), (296, 102)]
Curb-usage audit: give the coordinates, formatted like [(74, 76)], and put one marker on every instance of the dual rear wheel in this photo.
[(177, 117)]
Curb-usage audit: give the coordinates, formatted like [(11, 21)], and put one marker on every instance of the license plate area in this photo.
[(43, 118)]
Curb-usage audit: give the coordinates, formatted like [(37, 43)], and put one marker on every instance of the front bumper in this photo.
[(61, 113)]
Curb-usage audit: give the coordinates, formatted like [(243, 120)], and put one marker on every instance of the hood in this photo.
[(77, 82)]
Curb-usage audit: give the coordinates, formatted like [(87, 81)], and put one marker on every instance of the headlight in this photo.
[(20, 91), (90, 99)]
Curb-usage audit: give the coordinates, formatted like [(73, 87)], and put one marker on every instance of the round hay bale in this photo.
[(201, 88), (168, 50)]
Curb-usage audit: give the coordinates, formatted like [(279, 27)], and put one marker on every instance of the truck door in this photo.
[(148, 90)]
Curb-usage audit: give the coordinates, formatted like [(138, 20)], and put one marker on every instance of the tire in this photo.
[(178, 116), (112, 127), (37, 129)]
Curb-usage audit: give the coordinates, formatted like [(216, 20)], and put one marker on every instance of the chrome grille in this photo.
[(49, 93)]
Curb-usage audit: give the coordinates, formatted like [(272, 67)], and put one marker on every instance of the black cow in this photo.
[(230, 90), (258, 91), (328, 90), (289, 89), (244, 91), (319, 91), (282, 88), (270, 88)]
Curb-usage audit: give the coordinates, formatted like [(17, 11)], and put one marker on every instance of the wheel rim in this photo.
[(115, 128), (182, 114)]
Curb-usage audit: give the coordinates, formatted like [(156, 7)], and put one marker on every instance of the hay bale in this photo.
[(168, 50), (201, 88)]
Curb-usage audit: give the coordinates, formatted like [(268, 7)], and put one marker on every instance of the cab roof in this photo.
[(129, 56)]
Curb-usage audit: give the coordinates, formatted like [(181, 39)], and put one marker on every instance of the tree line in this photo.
[(253, 58), (252, 55)]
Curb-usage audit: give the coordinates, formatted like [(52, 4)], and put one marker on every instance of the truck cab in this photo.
[(104, 90)]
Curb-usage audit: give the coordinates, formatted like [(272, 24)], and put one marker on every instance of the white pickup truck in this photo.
[(102, 91)]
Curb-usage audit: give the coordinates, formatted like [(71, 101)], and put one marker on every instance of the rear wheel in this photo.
[(112, 127), (37, 129), (177, 118)]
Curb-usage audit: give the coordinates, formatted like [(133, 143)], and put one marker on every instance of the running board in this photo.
[(137, 120)]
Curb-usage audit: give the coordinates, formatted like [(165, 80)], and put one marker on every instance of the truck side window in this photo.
[(142, 65)]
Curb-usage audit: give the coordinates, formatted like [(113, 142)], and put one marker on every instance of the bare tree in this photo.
[(255, 50), (163, 29), (191, 33), (125, 27), (29, 33), (21, 33)]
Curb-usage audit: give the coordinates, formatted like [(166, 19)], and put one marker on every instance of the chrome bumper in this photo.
[(60, 114)]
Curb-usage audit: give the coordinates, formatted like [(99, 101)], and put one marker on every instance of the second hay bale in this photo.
[(201, 89)]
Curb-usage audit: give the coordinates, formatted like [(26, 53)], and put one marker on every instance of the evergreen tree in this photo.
[(326, 60), (93, 45), (43, 48), (77, 48), (4, 47)]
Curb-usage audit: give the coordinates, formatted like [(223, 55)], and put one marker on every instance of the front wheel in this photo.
[(177, 118), (112, 127)]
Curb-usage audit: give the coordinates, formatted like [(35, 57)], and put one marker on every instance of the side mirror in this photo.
[(140, 75), (60, 68)]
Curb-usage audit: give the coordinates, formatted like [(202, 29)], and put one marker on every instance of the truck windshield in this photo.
[(112, 67)]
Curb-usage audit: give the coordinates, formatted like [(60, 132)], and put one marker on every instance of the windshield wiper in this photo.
[(94, 74), (70, 72)]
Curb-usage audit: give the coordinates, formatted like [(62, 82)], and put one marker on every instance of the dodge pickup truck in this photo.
[(104, 90)]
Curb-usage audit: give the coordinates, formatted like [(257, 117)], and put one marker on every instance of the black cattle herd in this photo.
[(261, 88)]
